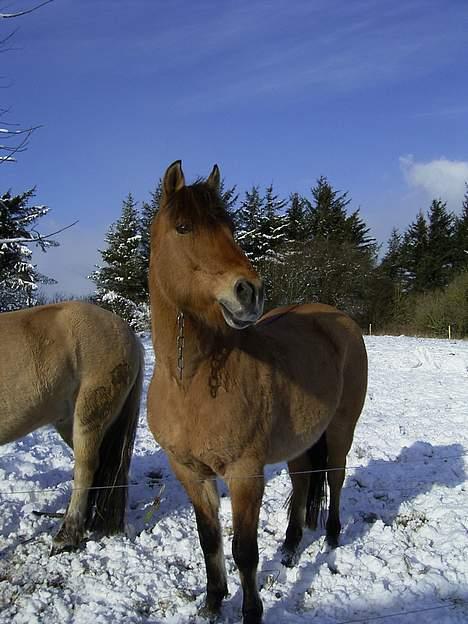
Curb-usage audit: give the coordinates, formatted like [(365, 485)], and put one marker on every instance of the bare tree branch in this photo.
[(39, 238), (13, 32), (25, 12), (17, 148)]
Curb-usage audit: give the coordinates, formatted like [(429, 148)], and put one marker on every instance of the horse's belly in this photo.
[(296, 431), (24, 409)]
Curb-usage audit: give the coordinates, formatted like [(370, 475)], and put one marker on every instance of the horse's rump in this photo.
[(79, 368)]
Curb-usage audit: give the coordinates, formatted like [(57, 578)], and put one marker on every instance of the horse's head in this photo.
[(195, 262)]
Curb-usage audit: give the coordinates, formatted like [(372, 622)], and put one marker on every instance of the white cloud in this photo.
[(440, 178)]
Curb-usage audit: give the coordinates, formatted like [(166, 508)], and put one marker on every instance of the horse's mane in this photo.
[(200, 205)]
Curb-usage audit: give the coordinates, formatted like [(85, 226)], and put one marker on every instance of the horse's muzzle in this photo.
[(244, 305)]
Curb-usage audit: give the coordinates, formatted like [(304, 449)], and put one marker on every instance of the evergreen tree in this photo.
[(389, 292), (414, 253), (248, 224), (339, 257), (229, 197), (391, 264), (148, 212), (18, 275), (273, 227), (327, 214), (461, 237), (121, 284), (329, 220), (441, 254), (298, 228)]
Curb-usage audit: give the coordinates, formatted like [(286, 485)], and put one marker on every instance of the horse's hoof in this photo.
[(332, 541), (65, 541), (209, 614), (61, 547), (253, 617), (289, 558)]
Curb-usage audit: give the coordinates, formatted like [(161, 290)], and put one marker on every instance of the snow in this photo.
[(404, 544)]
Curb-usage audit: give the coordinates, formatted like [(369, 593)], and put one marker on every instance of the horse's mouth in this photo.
[(232, 320)]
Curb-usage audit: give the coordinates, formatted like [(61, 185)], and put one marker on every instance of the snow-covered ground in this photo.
[(404, 546)]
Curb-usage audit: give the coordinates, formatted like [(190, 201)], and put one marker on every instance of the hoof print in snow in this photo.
[(370, 518)]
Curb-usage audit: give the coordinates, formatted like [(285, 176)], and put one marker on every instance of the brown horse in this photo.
[(79, 368), (224, 402)]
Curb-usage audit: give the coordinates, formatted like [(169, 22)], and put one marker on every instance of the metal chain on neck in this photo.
[(180, 344)]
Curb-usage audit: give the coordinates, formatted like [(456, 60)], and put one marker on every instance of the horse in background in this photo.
[(79, 368), (232, 392)]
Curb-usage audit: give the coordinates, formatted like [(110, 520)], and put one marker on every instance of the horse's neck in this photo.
[(179, 344)]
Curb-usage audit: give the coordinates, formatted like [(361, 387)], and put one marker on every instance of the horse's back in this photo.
[(50, 352), (311, 330), (320, 364)]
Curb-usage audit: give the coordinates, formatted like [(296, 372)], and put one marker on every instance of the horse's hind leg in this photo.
[(297, 508), (88, 433), (204, 496), (339, 440)]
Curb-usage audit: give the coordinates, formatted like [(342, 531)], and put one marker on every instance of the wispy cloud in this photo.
[(294, 50), (440, 178)]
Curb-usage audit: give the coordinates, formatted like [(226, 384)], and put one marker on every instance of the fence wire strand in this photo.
[(50, 489), (404, 613)]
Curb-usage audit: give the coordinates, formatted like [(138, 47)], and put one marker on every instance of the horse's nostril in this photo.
[(245, 292)]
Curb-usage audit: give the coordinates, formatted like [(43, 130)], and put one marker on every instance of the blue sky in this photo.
[(372, 94)]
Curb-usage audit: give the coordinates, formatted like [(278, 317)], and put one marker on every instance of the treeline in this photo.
[(307, 248), (316, 248)]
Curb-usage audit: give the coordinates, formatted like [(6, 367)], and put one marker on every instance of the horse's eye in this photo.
[(183, 228)]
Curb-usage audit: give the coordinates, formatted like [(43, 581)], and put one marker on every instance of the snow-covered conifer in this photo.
[(19, 277)]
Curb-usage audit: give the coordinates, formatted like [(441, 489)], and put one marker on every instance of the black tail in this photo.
[(107, 506), (317, 494)]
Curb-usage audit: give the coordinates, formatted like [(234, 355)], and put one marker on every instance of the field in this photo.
[(403, 556)]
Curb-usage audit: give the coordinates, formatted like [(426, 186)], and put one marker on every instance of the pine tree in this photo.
[(18, 276), (149, 210), (327, 212), (121, 282), (441, 254), (414, 253), (298, 228), (329, 219), (339, 257), (229, 197), (273, 227), (461, 237), (248, 224), (389, 300), (391, 264)]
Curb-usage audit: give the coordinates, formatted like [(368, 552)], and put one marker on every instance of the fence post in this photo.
[(449, 332), (370, 329)]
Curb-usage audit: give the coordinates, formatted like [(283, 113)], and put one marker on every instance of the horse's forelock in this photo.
[(198, 204)]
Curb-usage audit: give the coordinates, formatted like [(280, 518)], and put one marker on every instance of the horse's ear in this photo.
[(174, 178), (214, 179)]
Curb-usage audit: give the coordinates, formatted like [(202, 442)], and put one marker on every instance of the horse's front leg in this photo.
[(205, 499), (246, 498)]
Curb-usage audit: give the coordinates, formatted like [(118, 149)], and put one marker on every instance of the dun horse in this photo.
[(225, 402), (77, 367)]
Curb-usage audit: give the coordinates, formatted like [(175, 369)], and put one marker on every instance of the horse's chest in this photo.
[(193, 429)]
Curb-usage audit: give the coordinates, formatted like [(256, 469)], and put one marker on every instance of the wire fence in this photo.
[(373, 618), (450, 604), (425, 461)]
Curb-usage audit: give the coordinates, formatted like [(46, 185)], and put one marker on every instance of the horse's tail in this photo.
[(317, 493), (107, 501)]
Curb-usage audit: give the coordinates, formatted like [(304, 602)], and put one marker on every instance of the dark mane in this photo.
[(200, 205)]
